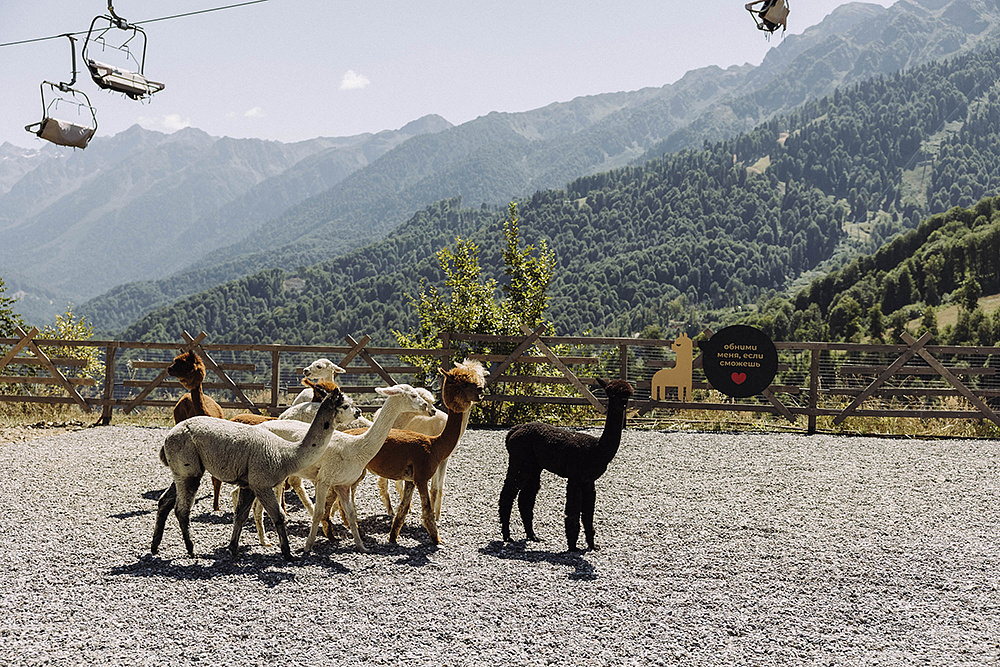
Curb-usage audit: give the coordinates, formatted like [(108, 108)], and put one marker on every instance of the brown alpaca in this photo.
[(189, 369), (415, 457), (250, 418)]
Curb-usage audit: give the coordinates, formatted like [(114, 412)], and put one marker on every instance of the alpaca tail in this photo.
[(163, 456)]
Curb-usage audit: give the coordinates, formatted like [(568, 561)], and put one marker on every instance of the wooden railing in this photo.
[(814, 379)]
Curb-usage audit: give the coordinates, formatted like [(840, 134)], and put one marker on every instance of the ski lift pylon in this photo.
[(132, 82), (771, 15), (63, 131)]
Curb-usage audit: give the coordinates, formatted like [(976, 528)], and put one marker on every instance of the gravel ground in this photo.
[(715, 549)]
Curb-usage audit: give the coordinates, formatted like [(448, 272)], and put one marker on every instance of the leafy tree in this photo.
[(469, 304), (9, 319), (69, 327)]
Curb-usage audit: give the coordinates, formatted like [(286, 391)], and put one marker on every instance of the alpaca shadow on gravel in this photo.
[(582, 569), (268, 568)]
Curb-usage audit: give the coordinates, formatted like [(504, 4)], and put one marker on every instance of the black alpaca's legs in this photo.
[(587, 513), (526, 503), (574, 504), (273, 509), (507, 495), (244, 502), (185, 500), (166, 503)]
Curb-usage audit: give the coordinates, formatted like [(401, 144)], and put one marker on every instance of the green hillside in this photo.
[(949, 261), (666, 240)]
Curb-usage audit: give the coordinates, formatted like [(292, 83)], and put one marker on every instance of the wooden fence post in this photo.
[(109, 384)]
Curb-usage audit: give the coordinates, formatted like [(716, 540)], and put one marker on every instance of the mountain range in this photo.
[(150, 218)]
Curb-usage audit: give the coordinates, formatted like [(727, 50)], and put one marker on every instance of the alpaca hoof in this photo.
[(575, 549), (291, 558)]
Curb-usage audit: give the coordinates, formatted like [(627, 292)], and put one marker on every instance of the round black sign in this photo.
[(739, 361)]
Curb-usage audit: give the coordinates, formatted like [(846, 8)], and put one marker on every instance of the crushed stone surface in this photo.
[(714, 549)]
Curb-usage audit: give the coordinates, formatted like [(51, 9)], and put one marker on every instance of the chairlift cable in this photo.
[(162, 18)]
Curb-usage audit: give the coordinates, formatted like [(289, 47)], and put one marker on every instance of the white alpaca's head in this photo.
[(414, 399), (322, 369)]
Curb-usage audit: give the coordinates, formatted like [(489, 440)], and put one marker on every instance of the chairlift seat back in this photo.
[(132, 84), (63, 132), (777, 15)]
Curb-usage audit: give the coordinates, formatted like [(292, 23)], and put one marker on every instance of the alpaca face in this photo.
[(463, 385), (188, 368), (322, 369)]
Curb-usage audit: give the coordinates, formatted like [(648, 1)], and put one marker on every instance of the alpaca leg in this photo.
[(186, 490), (437, 488), (427, 512), (319, 509), (166, 503), (574, 503), (243, 504), (401, 512), (273, 508), (216, 489), (526, 503), (347, 509), (587, 512), (511, 485), (296, 483), (383, 492)]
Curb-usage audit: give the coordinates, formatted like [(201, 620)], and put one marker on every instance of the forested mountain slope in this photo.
[(504, 156), (952, 257), (642, 245)]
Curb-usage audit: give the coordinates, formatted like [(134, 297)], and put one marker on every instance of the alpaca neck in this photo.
[(313, 443), (443, 445), (614, 423), (198, 400), (373, 439)]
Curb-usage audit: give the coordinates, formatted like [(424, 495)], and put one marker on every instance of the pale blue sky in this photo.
[(296, 69)]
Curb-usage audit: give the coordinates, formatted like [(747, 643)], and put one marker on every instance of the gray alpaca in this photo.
[(251, 457), (579, 457)]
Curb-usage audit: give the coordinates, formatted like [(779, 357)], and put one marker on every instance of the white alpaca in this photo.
[(321, 369), (428, 425), (296, 419), (343, 463), (248, 456)]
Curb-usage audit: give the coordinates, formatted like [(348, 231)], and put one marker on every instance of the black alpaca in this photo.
[(579, 457)]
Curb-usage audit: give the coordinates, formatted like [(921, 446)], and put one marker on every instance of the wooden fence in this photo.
[(839, 380)]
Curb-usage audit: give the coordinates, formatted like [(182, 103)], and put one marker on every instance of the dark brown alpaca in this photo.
[(189, 369)]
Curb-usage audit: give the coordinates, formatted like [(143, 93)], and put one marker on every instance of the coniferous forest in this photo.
[(733, 231)]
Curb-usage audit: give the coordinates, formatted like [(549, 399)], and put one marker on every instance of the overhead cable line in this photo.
[(162, 18)]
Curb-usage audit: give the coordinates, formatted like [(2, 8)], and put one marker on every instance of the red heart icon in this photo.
[(739, 378)]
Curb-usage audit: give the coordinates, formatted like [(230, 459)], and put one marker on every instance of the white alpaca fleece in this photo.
[(321, 369)]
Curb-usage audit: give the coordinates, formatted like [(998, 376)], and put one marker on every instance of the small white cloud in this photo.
[(256, 112), (353, 81), (169, 123)]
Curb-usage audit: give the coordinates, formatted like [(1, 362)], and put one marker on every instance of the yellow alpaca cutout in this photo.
[(679, 376)]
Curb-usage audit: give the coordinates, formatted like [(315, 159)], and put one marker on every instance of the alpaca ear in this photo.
[(337, 370), (602, 383), (387, 391)]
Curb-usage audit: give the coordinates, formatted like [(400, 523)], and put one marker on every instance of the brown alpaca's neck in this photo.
[(198, 400), (443, 445)]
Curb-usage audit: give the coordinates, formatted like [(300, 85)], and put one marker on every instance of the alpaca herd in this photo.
[(322, 437)]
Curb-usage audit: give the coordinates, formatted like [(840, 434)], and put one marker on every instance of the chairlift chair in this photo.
[(63, 131), (771, 15), (133, 83)]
